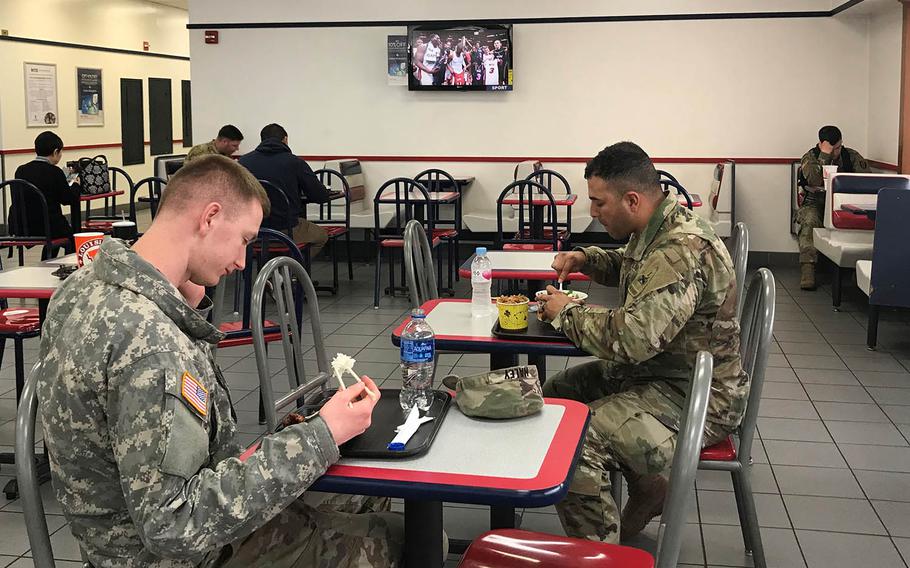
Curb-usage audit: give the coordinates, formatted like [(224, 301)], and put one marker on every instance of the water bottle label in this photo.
[(417, 350), (481, 275)]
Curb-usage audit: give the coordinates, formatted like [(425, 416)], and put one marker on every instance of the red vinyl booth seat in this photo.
[(848, 220)]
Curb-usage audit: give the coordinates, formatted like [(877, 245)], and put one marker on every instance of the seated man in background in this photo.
[(227, 142), (138, 419), (830, 151), (273, 161), (678, 296), (43, 173)]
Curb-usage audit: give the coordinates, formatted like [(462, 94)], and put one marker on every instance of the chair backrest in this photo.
[(739, 251), (857, 189), (352, 171), (276, 281), (525, 192), (418, 265), (116, 174), (666, 184), (721, 200), (402, 193), (156, 187), (558, 185), (435, 179), (890, 283), (25, 196), (685, 463), (526, 168), (335, 181), (280, 203), (756, 329), (27, 476)]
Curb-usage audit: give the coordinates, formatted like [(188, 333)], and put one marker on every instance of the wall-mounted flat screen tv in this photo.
[(460, 57)]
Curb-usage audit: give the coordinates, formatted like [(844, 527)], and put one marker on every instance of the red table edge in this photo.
[(93, 196), (429, 305), (389, 197), (563, 201), (553, 471), (27, 293)]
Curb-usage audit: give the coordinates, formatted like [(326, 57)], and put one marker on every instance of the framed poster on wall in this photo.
[(89, 97), (41, 94)]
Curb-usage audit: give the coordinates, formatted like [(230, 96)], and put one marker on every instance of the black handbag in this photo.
[(94, 175)]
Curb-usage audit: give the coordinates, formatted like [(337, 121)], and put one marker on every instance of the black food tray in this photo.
[(388, 415), (537, 331)]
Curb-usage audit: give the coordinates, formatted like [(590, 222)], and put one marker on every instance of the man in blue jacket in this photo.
[(273, 161)]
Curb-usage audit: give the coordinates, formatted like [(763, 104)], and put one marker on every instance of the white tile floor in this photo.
[(832, 465)]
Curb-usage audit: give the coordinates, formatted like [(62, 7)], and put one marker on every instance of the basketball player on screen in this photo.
[(426, 58), (490, 67), (456, 66)]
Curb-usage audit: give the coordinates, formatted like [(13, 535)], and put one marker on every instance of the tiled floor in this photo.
[(832, 465)]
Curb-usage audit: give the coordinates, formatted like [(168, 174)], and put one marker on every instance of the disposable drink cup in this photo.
[(87, 245), (124, 230), (828, 171)]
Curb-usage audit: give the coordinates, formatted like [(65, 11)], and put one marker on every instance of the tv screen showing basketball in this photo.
[(460, 58)]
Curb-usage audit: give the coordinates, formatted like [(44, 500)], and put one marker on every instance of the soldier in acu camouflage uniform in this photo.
[(830, 151), (678, 297), (138, 419)]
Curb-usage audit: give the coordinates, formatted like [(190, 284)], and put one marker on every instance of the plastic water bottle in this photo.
[(481, 282), (418, 347)]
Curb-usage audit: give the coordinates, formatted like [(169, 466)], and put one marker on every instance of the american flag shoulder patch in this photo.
[(194, 393)]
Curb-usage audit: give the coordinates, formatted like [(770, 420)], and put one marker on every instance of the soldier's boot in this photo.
[(807, 276), (646, 500)]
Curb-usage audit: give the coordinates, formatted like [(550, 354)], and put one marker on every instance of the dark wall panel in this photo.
[(132, 122), (161, 119), (186, 102)]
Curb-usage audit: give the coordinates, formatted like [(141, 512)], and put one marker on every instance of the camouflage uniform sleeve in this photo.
[(181, 504), (812, 168), (658, 304), (860, 164), (602, 265), (192, 154)]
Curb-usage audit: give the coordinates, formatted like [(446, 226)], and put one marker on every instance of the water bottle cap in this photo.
[(480, 250), (417, 313)]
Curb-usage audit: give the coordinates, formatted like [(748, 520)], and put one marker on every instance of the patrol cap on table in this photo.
[(504, 393)]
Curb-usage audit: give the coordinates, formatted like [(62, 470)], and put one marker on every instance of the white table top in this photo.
[(466, 446), (68, 260), (506, 262), (28, 282), (454, 318), (418, 196)]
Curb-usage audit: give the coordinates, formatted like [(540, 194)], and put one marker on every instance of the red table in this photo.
[(521, 265), (88, 198)]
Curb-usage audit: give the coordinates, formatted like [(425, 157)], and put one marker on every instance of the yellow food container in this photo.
[(513, 315)]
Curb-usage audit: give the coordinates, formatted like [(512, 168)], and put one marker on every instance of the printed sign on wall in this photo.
[(398, 59), (89, 97), (41, 94)]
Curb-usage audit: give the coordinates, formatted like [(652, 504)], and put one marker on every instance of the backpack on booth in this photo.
[(94, 175)]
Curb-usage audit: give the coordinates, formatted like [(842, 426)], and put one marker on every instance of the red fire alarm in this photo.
[(145, 46), (211, 36)]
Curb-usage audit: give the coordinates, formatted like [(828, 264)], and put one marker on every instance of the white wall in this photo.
[(122, 24), (128, 21), (884, 83)]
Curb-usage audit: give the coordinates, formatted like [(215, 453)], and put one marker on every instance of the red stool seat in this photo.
[(399, 243), (547, 234), (530, 246), (513, 548), (334, 230), (12, 242), (99, 225), (19, 320), (721, 451), (444, 233)]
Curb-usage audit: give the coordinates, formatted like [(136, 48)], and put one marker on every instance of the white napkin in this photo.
[(406, 430)]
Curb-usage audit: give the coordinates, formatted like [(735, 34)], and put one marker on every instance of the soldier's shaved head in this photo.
[(626, 167), (212, 178)]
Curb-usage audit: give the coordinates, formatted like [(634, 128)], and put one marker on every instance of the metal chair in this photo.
[(537, 220), (105, 222), (546, 177), (276, 280), (739, 247), (401, 196), (418, 265), (435, 179), (156, 186), (757, 323), (666, 184), (20, 234), (335, 227), (524, 549)]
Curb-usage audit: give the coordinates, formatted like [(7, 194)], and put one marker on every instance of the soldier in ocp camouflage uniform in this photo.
[(678, 297), (830, 151), (138, 419)]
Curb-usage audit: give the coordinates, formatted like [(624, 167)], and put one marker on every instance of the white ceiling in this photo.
[(182, 4)]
